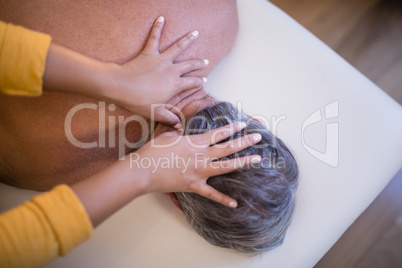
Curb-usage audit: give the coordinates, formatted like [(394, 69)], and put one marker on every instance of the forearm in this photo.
[(72, 72), (106, 192)]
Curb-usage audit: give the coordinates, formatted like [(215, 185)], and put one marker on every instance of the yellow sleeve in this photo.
[(22, 60), (38, 231)]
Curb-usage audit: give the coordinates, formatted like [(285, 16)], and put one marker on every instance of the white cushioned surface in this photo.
[(275, 68)]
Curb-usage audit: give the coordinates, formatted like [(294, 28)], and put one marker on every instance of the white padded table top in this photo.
[(279, 69)]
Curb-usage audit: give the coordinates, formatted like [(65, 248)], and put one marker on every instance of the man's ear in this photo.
[(173, 197)]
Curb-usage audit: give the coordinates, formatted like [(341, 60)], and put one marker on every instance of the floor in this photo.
[(368, 34)]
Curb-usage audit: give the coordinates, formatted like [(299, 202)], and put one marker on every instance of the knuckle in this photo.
[(153, 37), (226, 164), (158, 27), (248, 141), (221, 135), (192, 65), (213, 165), (199, 64), (197, 139), (198, 82), (167, 119), (243, 142), (190, 83), (193, 187), (210, 195), (176, 83), (228, 149), (179, 45)]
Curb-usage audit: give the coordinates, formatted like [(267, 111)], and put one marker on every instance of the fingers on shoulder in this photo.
[(186, 83), (161, 114), (178, 47), (155, 35), (191, 65)]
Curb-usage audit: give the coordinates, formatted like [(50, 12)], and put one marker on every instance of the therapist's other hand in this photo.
[(196, 161), (154, 78), (142, 172)]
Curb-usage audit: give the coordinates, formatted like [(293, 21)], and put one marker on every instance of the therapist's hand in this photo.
[(154, 78), (192, 160)]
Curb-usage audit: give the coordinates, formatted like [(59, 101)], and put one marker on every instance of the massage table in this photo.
[(345, 132)]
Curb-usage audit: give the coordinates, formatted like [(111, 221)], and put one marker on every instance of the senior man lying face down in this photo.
[(35, 152)]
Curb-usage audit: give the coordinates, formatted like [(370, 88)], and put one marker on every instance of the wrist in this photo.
[(109, 89), (141, 177)]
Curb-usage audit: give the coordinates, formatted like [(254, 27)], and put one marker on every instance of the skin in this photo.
[(34, 151)]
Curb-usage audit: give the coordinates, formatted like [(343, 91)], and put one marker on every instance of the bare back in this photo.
[(34, 150)]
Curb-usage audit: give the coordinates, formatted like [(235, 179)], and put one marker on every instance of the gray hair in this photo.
[(265, 192)]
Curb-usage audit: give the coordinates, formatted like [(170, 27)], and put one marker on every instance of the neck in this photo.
[(186, 106)]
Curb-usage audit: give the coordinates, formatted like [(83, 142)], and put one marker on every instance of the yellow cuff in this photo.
[(22, 60), (72, 226)]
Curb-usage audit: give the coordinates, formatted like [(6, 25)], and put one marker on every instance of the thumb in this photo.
[(167, 117)]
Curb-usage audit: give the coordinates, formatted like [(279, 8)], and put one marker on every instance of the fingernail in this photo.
[(177, 126), (194, 34), (204, 79), (256, 159), (206, 62), (257, 137), (242, 125), (161, 19), (233, 204)]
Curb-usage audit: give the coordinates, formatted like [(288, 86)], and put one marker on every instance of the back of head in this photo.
[(265, 192)]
